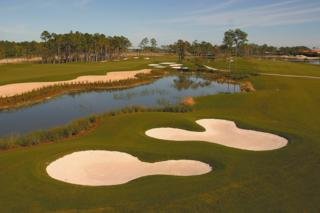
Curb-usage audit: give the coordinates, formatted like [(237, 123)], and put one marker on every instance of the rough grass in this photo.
[(285, 180)]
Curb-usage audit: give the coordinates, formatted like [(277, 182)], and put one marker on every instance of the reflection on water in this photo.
[(316, 62), (145, 92), (166, 91), (184, 82)]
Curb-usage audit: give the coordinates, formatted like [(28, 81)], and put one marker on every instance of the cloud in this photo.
[(280, 13), (217, 7)]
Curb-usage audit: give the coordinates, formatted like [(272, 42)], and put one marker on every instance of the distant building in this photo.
[(313, 52), (317, 51)]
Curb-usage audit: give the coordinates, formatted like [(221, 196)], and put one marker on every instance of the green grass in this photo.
[(285, 180), (17, 73), (77, 128), (251, 65)]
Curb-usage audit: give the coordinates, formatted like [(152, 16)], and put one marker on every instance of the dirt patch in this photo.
[(247, 86), (188, 101)]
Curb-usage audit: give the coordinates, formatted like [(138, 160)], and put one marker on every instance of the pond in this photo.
[(169, 90), (315, 62)]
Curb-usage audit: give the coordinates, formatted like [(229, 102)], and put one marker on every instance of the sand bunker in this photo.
[(222, 132), (176, 68), (168, 63), (105, 168), (157, 66), (171, 65), (210, 68), (176, 65), (20, 88)]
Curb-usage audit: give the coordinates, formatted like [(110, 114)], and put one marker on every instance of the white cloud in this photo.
[(217, 7)]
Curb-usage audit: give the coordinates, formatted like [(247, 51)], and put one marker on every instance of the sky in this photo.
[(275, 22)]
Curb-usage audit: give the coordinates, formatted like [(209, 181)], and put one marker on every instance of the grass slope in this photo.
[(285, 180)]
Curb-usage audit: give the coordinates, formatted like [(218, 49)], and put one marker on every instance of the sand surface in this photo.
[(19, 60), (20, 88), (222, 132), (105, 168), (210, 68)]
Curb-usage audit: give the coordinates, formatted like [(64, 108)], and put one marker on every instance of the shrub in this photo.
[(76, 127), (51, 135)]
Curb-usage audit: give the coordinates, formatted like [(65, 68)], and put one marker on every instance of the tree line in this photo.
[(85, 47), (200, 49), (147, 44), (81, 47), (68, 47), (27, 49), (235, 43)]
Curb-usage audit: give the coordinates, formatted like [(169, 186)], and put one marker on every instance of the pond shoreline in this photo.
[(50, 92), (75, 129), (154, 90)]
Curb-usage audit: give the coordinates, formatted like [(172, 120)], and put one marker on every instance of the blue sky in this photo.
[(276, 22)]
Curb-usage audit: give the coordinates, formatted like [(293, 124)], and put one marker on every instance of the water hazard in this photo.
[(169, 90)]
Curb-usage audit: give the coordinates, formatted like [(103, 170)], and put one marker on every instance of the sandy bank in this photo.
[(104, 168), (222, 132), (19, 60), (20, 88)]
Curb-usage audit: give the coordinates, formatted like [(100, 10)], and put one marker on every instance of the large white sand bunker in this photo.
[(104, 168), (225, 133), (20, 88)]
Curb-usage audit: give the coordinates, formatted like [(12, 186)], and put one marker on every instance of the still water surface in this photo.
[(315, 62), (168, 90)]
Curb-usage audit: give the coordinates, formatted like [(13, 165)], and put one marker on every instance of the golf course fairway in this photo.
[(280, 180)]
